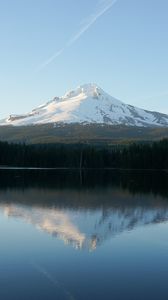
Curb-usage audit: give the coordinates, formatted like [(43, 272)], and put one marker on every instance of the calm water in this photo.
[(83, 235)]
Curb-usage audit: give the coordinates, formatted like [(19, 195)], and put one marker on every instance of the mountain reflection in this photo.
[(84, 211), (84, 229), (51, 221)]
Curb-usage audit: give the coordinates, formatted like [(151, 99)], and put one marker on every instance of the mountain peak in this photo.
[(89, 87), (89, 90)]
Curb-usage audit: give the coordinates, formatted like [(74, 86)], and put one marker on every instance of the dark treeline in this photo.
[(134, 156), (133, 181), (121, 185)]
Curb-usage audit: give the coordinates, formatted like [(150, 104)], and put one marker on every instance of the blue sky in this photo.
[(124, 50)]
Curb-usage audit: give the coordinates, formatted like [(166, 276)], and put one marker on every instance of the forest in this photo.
[(152, 155)]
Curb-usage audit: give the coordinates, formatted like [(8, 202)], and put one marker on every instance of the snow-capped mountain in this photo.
[(88, 104)]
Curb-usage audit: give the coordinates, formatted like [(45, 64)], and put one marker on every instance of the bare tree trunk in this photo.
[(81, 159), (81, 162)]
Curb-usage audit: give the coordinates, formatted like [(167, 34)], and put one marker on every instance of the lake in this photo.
[(83, 235)]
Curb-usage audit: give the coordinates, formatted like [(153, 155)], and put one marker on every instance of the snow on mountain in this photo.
[(85, 105)]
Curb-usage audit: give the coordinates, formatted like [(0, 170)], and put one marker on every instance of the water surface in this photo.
[(71, 235)]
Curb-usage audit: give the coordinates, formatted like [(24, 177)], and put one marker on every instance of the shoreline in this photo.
[(79, 169)]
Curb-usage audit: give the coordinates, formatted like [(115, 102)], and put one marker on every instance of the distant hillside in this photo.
[(76, 133)]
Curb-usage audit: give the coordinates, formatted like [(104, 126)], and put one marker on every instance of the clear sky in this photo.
[(51, 46)]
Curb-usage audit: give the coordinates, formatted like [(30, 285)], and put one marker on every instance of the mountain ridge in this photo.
[(88, 104)]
